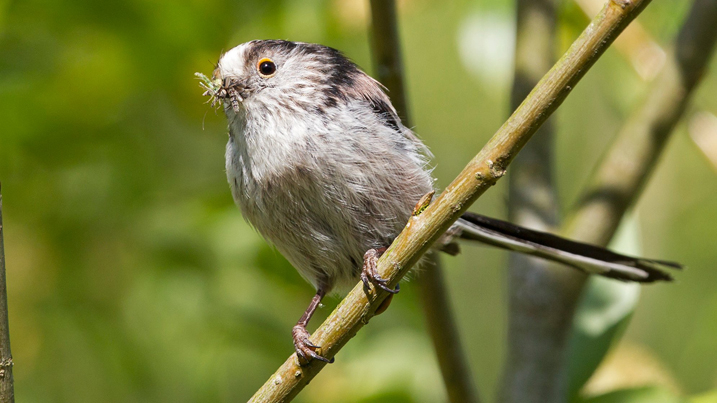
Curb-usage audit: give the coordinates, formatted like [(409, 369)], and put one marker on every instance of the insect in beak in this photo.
[(218, 89), (231, 89)]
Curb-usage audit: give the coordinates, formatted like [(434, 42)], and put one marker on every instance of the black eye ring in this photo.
[(266, 67)]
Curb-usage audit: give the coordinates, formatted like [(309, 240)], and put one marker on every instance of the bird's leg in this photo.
[(305, 349), (369, 274)]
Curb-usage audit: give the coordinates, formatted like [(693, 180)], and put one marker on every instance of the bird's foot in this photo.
[(369, 273), (305, 349)]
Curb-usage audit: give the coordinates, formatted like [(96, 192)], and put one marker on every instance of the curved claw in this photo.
[(369, 274), (381, 283), (305, 349), (310, 344)]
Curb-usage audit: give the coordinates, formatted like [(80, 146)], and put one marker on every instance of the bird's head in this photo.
[(291, 75)]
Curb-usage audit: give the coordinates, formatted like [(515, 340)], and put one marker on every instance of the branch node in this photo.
[(623, 3), (424, 202), (5, 364), (497, 169)]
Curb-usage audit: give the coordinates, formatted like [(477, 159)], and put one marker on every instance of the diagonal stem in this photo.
[(479, 175)]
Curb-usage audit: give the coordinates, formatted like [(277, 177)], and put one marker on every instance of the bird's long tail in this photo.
[(588, 258)]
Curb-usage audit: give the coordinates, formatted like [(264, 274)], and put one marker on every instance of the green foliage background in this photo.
[(132, 276)]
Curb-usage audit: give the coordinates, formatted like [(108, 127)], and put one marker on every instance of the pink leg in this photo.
[(305, 349)]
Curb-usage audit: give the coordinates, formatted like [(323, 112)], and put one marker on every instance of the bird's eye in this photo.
[(266, 67)]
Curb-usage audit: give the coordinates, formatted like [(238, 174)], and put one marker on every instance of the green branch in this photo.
[(478, 176)]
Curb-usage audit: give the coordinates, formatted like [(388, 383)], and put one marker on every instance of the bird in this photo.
[(320, 164)]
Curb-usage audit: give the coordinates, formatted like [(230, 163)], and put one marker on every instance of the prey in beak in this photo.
[(219, 90)]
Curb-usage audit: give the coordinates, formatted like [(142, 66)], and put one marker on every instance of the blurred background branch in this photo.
[(538, 321), (386, 54), (7, 391), (616, 183), (648, 58), (444, 332), (636, 44), (440, 320)]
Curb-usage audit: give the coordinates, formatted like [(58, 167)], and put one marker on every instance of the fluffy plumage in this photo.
[(317, 158)]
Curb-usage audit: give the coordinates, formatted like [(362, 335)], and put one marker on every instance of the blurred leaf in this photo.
[(603, 314), (389, 397), (709, 397), (648, 394)]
